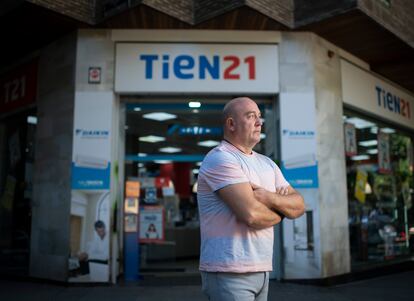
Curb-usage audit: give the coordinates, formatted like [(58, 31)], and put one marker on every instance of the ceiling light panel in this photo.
[(194, 104), (368, 143), (208, 143), (159, 116), (360, 123), (170, 150), (151, 139)]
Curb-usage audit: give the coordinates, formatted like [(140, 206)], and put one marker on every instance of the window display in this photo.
[(380, 190)]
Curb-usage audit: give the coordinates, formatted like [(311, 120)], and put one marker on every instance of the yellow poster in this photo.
[(361, 182)]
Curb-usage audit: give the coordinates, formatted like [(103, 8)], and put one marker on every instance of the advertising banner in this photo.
[(151, 224), (196, 68), (384, 159), (90, 205), (350, 140), (298, 139), (361, 182), (92, 141), (301, 237)]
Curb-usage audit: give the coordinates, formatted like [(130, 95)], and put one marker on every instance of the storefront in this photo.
[(17, 146), (174, 94), (144, 109), (379, 133)]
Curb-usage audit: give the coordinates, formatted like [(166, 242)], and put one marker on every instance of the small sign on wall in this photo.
[(94, 75), (151, 224)]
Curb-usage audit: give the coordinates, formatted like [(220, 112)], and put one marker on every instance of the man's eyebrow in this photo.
[(253, 112)]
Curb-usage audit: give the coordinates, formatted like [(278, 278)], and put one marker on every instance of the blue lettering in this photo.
[(149, 59), (378, 94), (213, 70), (183, 62), (389, 101), (397, 108), (165, 65)]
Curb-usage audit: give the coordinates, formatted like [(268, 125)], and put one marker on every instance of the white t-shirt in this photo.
[(98, 248), (228, 245)]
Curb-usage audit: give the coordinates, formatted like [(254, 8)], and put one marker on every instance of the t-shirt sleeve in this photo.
[(221, 169), (280, 179)]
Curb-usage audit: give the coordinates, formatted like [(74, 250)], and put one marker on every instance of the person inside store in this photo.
[(241, 195), (98, 248), (151, 232)]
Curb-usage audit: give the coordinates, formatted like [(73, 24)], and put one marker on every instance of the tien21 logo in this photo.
[(189, 67)]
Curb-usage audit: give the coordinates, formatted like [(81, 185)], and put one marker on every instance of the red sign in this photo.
[(18, 88)]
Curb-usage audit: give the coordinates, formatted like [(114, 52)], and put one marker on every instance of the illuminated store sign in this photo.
[(363, 90), (199, 68), (393, 102)]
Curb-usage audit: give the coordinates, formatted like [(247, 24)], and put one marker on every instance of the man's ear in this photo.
[(230, 124)]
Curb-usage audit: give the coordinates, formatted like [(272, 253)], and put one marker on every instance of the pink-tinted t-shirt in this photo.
[(228, 245)]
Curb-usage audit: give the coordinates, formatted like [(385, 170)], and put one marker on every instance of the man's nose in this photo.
[(259, 121)]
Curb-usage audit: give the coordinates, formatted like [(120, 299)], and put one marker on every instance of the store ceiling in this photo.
[(184, 132)]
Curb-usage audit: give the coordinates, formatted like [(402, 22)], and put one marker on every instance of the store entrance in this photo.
[(17, 142), (166, 140)]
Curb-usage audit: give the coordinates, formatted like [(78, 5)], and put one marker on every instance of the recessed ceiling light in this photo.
[(140, 164), (159, 116), (208, 143), (194, 104), (198, 164), (372, 151), (262, 135), (195, 111), (162, 161), (374, 130), (360, 123), (142, 154), (32, 119), (151, 139), (387, 130), (195, 171), (137, 109), (170, 149), (368, 143), (360, 157)]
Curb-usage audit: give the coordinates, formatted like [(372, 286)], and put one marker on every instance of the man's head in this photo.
[(100, 229), (242, 122)]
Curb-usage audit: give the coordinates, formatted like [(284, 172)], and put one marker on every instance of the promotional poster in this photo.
[(90, 206)]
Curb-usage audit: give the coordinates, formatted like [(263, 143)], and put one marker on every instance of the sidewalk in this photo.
[(391, 287)]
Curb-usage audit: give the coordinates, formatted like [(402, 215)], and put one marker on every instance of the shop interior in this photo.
[(166, 140), (17, 142), (380, 183)]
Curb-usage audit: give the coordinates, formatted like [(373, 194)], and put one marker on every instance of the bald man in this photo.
[(242, 195)]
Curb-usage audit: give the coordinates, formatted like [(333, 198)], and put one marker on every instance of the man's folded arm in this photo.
[(289, 203), (241, 200)]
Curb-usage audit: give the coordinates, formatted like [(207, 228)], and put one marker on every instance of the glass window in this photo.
[(379, 165), (166, 140)]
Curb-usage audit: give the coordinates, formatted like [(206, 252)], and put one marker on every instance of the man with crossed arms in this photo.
[(242, 195)]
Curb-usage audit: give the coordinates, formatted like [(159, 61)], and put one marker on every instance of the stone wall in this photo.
[(53, 157)]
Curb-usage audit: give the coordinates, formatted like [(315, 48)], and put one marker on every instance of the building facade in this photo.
[(115, 120)]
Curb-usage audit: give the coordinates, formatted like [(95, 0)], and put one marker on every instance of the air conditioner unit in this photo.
[(305, 160), (90, 162)]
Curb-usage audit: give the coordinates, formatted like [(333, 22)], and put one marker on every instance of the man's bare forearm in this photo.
[(291, 205), (262, 217), (286, 202)]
